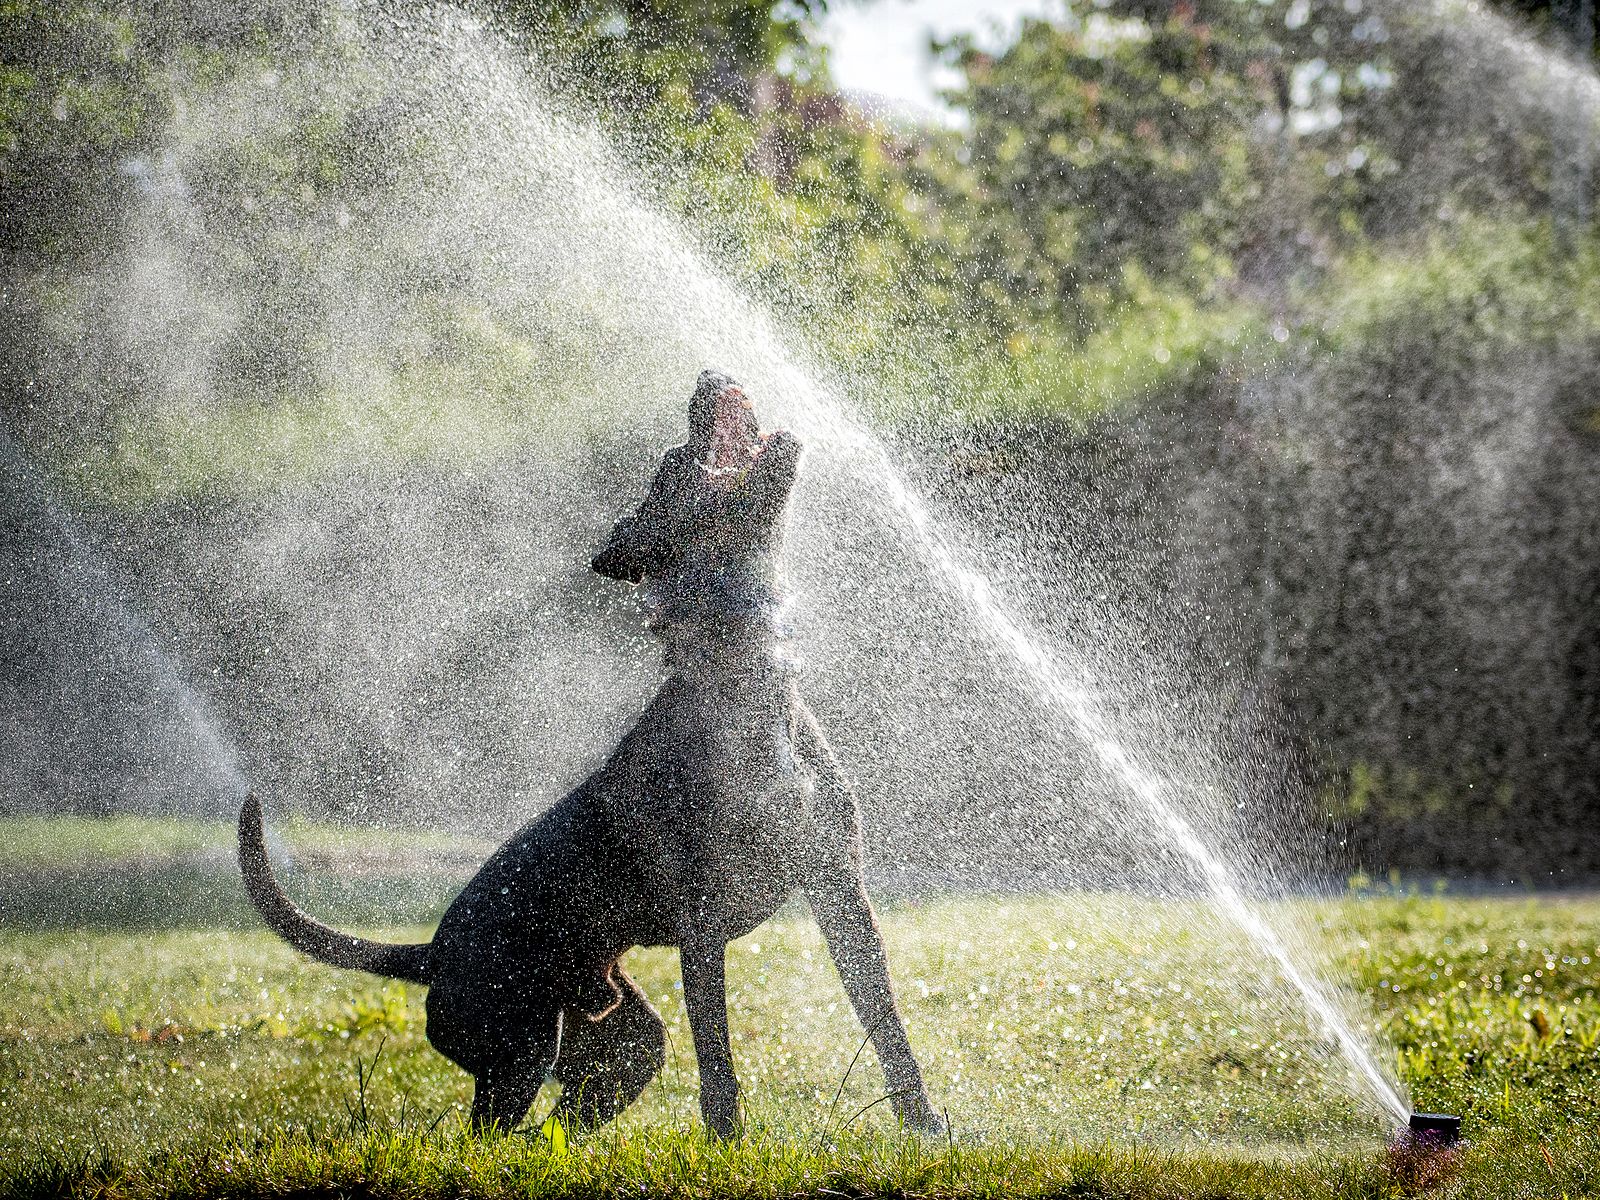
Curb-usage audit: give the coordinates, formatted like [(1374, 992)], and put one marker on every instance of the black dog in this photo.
[(719, 804)]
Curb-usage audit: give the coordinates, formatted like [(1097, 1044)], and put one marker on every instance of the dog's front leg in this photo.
[(705, 994), (856, 944), (838, 895)]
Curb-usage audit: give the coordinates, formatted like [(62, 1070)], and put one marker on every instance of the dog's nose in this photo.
[(716, 383)]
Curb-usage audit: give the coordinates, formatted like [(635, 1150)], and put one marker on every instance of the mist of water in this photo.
[(569, 222), (199, 766), (562, 250)]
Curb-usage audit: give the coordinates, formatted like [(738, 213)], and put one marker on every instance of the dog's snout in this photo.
[(712, 383)]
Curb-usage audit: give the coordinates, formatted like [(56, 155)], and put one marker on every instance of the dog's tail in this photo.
[(306, 934)]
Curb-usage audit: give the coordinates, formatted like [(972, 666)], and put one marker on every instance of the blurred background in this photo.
[(1261, 336)]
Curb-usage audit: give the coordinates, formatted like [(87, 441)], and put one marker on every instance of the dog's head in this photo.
[(715, 504), (724, 435)]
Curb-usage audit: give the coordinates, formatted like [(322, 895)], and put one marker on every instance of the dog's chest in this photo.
[(724, 832), (734, 823)]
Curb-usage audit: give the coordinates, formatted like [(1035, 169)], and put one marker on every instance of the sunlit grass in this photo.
[(1123, 1046), (61, 842)]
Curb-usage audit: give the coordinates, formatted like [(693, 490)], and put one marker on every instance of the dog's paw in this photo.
[(723, 1117), (917, 1116), (780, 443)]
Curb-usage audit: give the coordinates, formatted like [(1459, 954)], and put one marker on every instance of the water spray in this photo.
[(574, 217), (1071, 689), (704, 314), (217, 761)]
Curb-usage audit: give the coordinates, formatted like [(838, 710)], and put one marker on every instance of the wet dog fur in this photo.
[(720, 803)]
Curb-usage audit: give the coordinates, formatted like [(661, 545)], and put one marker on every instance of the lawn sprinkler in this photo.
[(1434, 1131), (1426, 1151)]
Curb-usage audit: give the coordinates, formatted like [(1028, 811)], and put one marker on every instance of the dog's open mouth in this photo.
[(736, 437)]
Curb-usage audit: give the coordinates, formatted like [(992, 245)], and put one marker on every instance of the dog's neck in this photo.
[(719, 612), (727, 653)]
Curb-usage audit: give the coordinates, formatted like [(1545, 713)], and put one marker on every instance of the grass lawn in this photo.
[(1083, 1045)]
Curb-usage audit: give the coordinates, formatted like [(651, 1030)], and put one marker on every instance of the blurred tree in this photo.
[(1573, 20), (1094, 151), (632, 51), (729, 97), (1211, 145), (85, 87)]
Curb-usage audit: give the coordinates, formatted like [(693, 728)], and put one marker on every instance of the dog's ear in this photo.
[(703, 410), (623, 557)]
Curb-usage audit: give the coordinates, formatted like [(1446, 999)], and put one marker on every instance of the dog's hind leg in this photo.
[(505, 1084), (605, 1064)]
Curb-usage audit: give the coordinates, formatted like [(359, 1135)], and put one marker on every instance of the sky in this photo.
[(882, 48)]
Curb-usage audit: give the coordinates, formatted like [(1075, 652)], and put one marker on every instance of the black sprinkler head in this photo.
[(1435, 1129)]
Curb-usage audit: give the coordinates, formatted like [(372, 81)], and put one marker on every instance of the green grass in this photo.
[(50, 842), (1082, 1045), (150, 873)]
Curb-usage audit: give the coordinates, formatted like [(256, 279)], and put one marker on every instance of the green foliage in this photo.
[(724, 107), (633, 50), (1222, 149), (1155, 343), (85, 89), (1476, 287), (1092, 152), (1177, 158), (64, 841), (75, 97)]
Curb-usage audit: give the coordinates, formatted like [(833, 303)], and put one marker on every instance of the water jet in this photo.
[(534, 199)]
